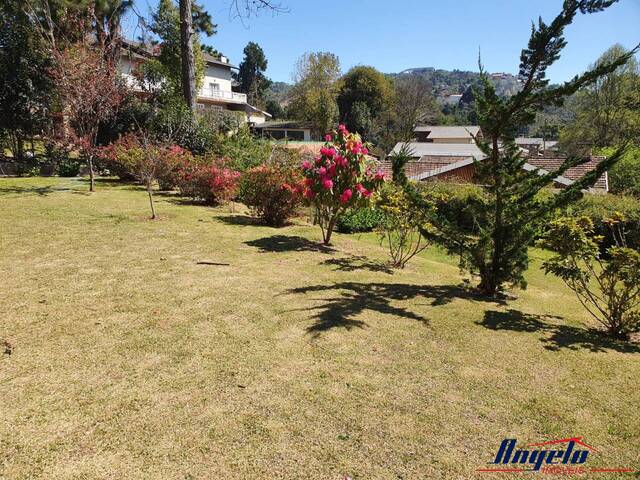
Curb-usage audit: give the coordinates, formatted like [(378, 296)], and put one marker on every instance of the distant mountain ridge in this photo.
[(445, 83)]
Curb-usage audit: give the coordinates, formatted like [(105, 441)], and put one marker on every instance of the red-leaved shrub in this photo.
[(208, 181), (273, 191)]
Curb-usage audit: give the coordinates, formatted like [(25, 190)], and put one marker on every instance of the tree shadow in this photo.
[(338, 312), (242, 220), (26, 191), (555, 336), (284, 243), (357, 262)]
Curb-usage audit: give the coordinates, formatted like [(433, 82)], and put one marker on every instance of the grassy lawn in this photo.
[(201, 346)]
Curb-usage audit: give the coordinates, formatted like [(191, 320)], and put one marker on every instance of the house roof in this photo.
[(535, 141), (468, 161), (448, 131), (284, 125), (574, 173), (420, 149), (541, 165), (143, 50)]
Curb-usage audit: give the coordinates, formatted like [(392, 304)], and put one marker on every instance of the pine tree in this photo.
[(509, 211), (251, 74)]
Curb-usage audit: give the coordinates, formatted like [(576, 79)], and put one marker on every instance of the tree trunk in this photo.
[(188, 59), (92, 180), (153, 208)]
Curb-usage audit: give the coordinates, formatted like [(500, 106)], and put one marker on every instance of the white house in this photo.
[(216, 92)]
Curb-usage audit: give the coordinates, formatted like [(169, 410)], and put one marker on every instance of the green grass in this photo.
[(203, 346)]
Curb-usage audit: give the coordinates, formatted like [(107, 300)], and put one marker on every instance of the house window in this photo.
[(214, 87)]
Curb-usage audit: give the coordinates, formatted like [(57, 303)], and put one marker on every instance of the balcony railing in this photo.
[(223, 95)]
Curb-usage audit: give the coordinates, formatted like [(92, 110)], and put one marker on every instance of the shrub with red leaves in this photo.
[(273, 191), (208, 180)]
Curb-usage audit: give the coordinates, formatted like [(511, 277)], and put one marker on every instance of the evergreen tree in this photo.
[(26, 90), (165, 23), (509, 211), (251, 74)]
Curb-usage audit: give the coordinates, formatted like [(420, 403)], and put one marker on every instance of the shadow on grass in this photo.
[(555, 337), (339, 311), (358, 262), (242, 220), (284, 243), (26, 191)]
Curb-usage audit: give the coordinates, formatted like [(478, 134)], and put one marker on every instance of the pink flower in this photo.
[(363, 191), (328, 152), (309, 194), (379, 175), (327, 184), (318, 160), (341, 161), (332, 171), (322, 171), (306, 165), (346, 196), (364, 151), (328, 138), (343, 129), (308, 182)]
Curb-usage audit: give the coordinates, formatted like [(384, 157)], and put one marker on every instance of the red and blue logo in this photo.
[(565, 456)]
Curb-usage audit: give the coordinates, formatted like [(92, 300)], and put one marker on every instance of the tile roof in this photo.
[(574, 173)]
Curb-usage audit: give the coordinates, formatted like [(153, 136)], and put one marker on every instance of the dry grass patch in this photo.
[(203, 346)]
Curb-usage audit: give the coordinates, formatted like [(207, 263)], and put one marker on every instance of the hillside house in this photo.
[(216, 92)]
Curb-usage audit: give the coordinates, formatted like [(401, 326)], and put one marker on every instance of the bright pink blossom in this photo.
[(364, 151), (322, 171), (328, 138), (327, 184), (306, 165), (340, 161), (379, 175), (346, 196)]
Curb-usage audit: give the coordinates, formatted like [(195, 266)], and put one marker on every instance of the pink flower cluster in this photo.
[(337, 176)]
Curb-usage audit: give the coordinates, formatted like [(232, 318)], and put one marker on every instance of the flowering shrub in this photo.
[(145, 160), (273, 190), (208, 181), (339, 178)]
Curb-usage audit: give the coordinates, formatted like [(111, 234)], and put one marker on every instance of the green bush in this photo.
[(600, 208), (69, 168), (243, 150), (357, 220), (624, 177)]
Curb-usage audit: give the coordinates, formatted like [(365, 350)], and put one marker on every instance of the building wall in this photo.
[(215, 74)]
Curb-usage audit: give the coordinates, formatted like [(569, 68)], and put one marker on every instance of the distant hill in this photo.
[(445, 83), (279, 91), (458, 82)]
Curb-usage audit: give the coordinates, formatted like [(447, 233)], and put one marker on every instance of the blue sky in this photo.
[(395, 35)]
